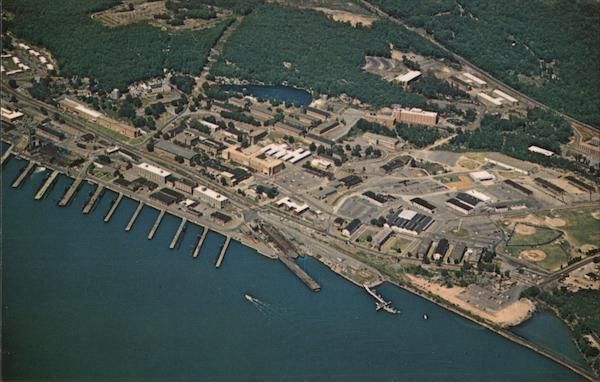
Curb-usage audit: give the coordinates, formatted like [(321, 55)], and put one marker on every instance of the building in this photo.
[(415, 116), (150, 172), (441, 249), (423, 204), (458, 252), (482, 176), (539, 150), (350, 180), (468, 199), (382, 237), (351, 228), (253, 159), (424, 248), (473, 80), (220, 217), (282, 152), (317, 113), (585, 187), (210, 146), (553, 188), (479, 195), (182, 184), (408, 221), (10, 115), (175, 151), (518, 187), (512, 100), (406, 78), (210, 197), (509, 163), (321, 164), (46, 131), (187, 138), (297, 208), (459, 206), (489, 100), (381, 141)]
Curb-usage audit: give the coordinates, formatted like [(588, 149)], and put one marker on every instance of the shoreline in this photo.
[(436, 299)]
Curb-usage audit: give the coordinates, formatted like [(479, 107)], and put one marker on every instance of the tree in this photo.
[(150, 146), (178, 158), (12, 83), (312, 147)]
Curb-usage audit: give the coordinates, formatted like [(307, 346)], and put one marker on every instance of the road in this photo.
[(557, 275)]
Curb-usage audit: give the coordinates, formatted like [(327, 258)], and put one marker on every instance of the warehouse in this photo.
[(406, 78), (539, 150), (459, 206), (408, 221), (441, 249), (482, 176), (150, 172), (210, 197), (175, 151), (423, 204), (351, 228)]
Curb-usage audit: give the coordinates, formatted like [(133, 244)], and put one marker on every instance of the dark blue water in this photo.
[(85, 301), (287, 94)]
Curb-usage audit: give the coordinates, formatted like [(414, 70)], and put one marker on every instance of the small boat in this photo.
[(425, 317), (249, 298)]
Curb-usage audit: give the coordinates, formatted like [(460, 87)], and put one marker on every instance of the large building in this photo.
[(210, 197), (253, 159), (406, 78), (150, 172), (415, 116), (175, 151), (408, 221), (85, 112)]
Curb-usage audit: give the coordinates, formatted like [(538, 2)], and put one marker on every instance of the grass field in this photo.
[(582, 227), (556, 255), (399, 243), (541, 235)]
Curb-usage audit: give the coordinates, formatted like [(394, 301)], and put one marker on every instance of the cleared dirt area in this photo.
[(555, 222), (534, 255), (347, 17), (524, 229), (463, 182)]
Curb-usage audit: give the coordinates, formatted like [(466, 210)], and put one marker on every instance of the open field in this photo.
[(398, 244), (527, 235)]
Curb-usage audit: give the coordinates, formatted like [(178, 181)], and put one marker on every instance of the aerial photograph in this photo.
[(300, 190)]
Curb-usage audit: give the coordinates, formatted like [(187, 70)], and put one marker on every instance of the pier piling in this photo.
[(134, 216), (178, 233), (66, 199), (156, 224), (223, 250), (46, 186), (6, 154), (88, 207), (113, 208), (23, 174), (199, 243)]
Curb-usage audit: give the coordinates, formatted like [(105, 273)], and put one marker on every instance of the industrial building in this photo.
[(297, 208), (468, 199), (489, 100), (406, 78), (423, 204), (351, 228), (540, 150), (459, 206), (381, 141), (458, 252), (473, 80), (282, 152), (579, 184), (150, 172), (10, 115), (441, 249), (408, 221), (415, 115), (182, 184), (253, 159), (512, 100), (175, 151), (382, 237), (210, 197), (482, 176)]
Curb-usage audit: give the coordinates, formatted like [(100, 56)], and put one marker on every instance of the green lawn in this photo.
[(582, 227), (541, 235)]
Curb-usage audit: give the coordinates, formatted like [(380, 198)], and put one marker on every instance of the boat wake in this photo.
[(261, 306)]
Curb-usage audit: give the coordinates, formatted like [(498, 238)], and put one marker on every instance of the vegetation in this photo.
[(271, 46), (514, 135), (419, 136), (364, 126), (113, 56), (433, 87), (513, 40)]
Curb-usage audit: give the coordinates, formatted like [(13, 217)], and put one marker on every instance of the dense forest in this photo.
[(277, 44), (513, 136), (547, 49), (113, 56)]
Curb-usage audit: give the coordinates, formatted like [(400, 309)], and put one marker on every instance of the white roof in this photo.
[(209, 124), (407, 77), (15, 59), (9, 114), (479, 195), (26, 47), (539, 150), (87, 110), (33, 52), (481, 175), (50, 66), (292, 205), (210, 193), (154, 169), (43, 59), (505, 96), (417, 111), (495, 101), (407, 214), (475, 79)]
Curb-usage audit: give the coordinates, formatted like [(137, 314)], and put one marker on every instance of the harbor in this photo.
[(48, 183), (199, 243), (68, 196), (134, 216), (178, 233), (24, 174), (113, 208), (222, 252), (156, 224), (93, 199)]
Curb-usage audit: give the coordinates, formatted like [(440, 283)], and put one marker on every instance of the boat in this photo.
[(425, 317), (248, 297), (380, 303)]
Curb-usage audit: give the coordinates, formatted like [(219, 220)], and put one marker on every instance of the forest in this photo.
[(115, 57), (546, 49), (277, 44), (419, 136)]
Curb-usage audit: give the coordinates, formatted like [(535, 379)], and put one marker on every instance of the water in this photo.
[(288, 94), (83, 300)]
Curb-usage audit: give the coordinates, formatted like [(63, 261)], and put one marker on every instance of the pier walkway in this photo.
[(47, 184), (156, 224), (23, 174), (113, 208), (223, 250), (70, 192), (6, 155), (134, 216), (178, 233), (199, 243), (92, 202)]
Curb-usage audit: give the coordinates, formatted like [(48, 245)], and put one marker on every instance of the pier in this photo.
[(134, 216), (199, 243), (223, 250), (6, 155), (302, 275), (156, 224), (23, 174), (92, 202), (178, 233), (113, 208), (66, 199), (46, 186)]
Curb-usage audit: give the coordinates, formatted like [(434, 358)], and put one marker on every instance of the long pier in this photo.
[(92, 202), (156, 224), (47, 184), (6, 154), (23, 174), (223, 250), (70, 192), (178, 233), (113, 208), (199, 243), (134, 216), (302, 275)]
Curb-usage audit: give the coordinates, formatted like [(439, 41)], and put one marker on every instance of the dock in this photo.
[(134, 216), (23, 174), (46, 186), (178, 233), (199, 243), (113, 208), (223, 250), (302, 275), (6, 154), (66, 199), (92, 202), (156, 224)]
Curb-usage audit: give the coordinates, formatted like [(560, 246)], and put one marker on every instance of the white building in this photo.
[(406, 78), (475, 80), (291, 205), (482, 176), (151, 172), (210, 197), (539, 150), (505, 96), (489, 100)]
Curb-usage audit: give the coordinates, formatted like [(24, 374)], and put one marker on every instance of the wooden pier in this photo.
[(66, 199), (6, 154), (92, 202), (23, 174), (222, 254), (46, 186), (156, 224), (113, 208), (199, 243), (134, 216), (302, 275), (178, 233)]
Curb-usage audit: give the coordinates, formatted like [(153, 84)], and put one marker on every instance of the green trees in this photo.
[(363, 126), (419, 136)]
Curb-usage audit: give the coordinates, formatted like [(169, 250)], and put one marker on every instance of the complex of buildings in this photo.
[(415, 115), (408, 221), (151, 172), (254, 159)]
